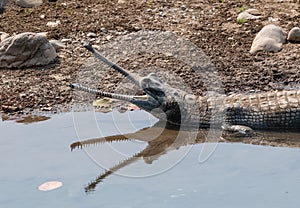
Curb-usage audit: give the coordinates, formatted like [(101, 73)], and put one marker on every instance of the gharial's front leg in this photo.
[(237, 130)]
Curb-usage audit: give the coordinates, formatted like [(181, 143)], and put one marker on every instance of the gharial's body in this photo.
[(267, 110)]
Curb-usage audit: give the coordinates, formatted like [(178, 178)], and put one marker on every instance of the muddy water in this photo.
[(235, 175)]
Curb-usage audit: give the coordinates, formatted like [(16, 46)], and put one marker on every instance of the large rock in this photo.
[(294, 35), (29, 3), (26, 50), (270, 38)]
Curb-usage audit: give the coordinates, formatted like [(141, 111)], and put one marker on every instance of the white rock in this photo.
[(66, 40), (53, 24), (247, 16), (25, 50), (270, 38), (294, 35), (3, 36), (272, 19), (29, 3), (91, 35), (109, 37), (121, 1)]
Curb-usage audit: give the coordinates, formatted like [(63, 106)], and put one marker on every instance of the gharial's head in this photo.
[(162, 100)]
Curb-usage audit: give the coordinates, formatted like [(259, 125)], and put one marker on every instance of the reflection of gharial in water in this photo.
[(238, 112), (162, 139)]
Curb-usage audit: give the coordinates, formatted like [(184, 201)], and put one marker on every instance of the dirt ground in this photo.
[(210, 24)]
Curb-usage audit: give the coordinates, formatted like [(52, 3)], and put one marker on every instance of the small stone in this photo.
[(42, 16), (109, 37), (294, 35), (66, 40), (121, 1), (53, 24), (91, 35), (3, 36), (245, 15), (272, 19), (104, 30), (46, 108), (29, 3), (168, 54), (22, 95), (270, 38)]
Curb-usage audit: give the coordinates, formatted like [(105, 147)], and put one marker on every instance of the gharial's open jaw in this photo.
[(132, 77), (153, 98)]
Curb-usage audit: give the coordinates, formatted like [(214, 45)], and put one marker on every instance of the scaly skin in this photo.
[(266, 111)]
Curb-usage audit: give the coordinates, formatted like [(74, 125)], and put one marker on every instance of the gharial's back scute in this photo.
[(269, 110)]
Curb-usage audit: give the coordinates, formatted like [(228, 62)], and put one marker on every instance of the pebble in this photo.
[(53, 24), (91, 35), (270, 38), (25, 50), (109, 37), (104, 30), (3, 36), (294, 35), (66, 40), (29, 3), (272, 19), (249, 14)]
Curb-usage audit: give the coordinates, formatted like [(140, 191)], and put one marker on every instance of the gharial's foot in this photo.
[(238, 130)]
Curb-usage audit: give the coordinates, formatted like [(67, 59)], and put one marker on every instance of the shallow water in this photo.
[(235, 175)]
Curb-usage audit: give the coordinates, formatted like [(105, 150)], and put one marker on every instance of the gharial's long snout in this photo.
[(147, 103), (132, 77)]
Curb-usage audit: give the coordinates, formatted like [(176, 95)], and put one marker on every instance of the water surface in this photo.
[(236, 175)]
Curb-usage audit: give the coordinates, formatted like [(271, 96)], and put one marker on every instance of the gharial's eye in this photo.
[(146, 80), (157, 84)]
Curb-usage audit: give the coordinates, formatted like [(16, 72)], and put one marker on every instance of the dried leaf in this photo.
[(103, 102)]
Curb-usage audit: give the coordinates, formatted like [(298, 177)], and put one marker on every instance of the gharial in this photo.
[(278, 110)]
